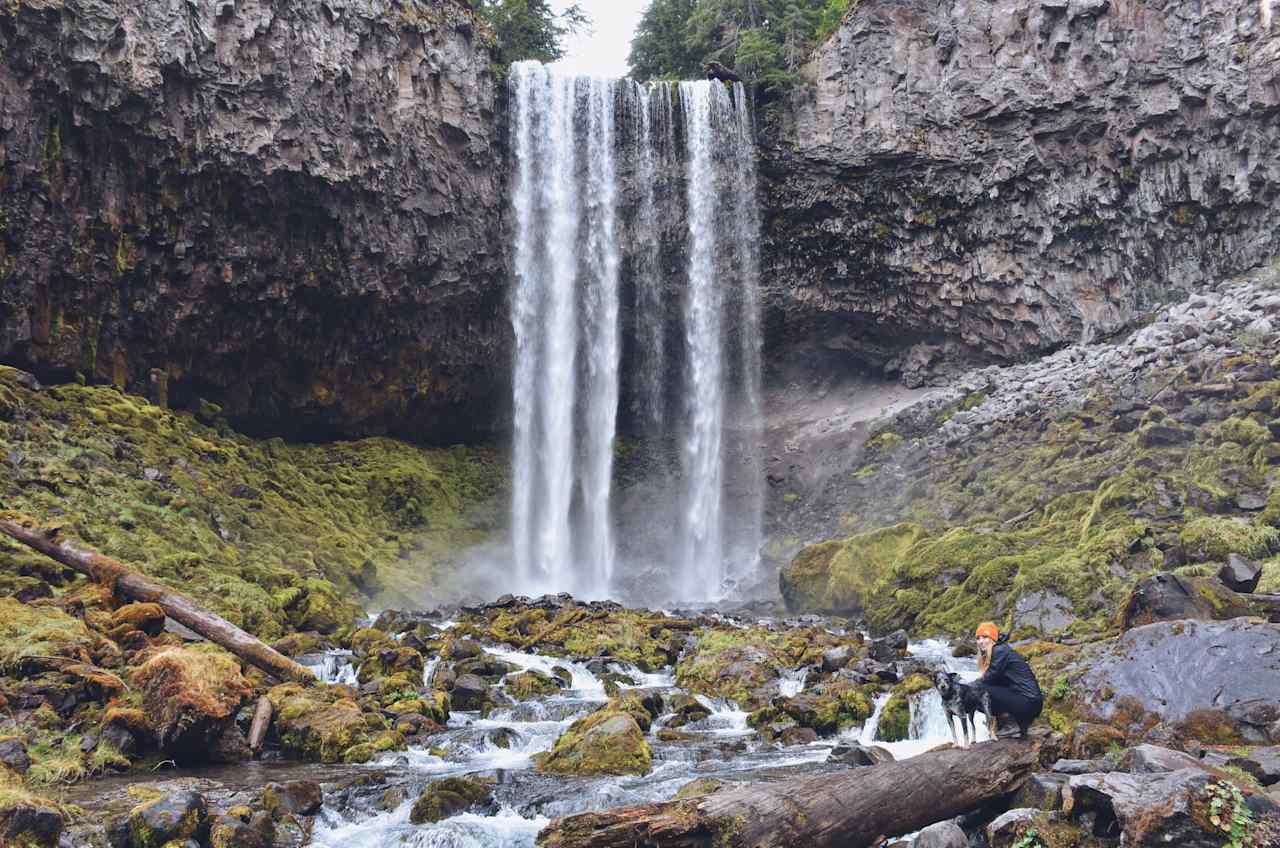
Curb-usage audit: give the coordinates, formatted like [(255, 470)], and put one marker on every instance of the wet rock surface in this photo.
[(1237, 666), (286, 209)]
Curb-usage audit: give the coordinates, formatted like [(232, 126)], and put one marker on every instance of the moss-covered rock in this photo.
[(34, 636), (27, 820), (895, 718), (171, 819), (1212, 538), (531, 684), (744, 664), (609, 741), (190, 696), (451, 796), (326, 724), (839, 576)]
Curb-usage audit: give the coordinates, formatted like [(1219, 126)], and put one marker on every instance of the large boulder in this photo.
[(945, 834), (606, 742), (469, 693), (191, 696), (1167, 597), (1240, 574), (1188, 671), (841, 575), (1148, 809), (325, 724), (173, 818), (27, 820), (451, 796)]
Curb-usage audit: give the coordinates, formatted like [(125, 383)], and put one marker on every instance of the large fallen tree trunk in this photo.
[(847, 809), (133, 586)]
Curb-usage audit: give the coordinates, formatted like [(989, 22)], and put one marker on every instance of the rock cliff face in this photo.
[(1000, 177), (289, 208)]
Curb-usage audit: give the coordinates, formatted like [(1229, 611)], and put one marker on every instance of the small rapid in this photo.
[(503, 745)]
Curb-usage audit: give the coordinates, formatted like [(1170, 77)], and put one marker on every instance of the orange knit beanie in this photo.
[(988, 629)]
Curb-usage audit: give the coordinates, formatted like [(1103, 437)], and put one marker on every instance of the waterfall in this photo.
[(610, 180)]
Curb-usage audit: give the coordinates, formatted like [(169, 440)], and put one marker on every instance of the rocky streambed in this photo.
[(511, 714)]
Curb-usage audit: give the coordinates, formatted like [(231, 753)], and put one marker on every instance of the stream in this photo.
[(501, 746)]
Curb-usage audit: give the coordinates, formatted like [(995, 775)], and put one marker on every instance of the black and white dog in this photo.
[(962, 700)]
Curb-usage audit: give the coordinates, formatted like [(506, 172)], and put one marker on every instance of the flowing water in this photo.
[(599, 222), (502, 746)]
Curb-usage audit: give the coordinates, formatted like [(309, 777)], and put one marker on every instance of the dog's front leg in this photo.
[(952, 727), (965, 723)]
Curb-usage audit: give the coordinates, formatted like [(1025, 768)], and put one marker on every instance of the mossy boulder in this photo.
[(31, 634), (733, 664), (745, 664), (149, 618), (839, 704), (1212, 538), (448, 797), (325, 724), (609, 741), (171, 819), (686, 709), (387, 659), (839, 576), (26, 819), (531, 684), (190, 696)]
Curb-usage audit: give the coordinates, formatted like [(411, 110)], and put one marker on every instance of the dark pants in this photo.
[(1006, 701)]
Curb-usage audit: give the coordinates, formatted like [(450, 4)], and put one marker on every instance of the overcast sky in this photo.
[(603, 51)]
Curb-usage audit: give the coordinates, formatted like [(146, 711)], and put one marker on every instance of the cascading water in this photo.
[(575, 261)]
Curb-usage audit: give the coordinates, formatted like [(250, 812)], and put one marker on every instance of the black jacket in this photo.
[(1009, 668)]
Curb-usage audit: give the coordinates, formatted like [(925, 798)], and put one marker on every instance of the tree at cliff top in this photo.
[(529, 29), (764, 40)]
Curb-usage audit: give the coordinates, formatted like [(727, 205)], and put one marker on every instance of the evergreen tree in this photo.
[(529, 29), (658, 49), (766, 41)]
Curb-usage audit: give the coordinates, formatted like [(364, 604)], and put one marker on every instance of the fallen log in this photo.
[(1266, 604), (261, 722), (847, 809), (133, 586)]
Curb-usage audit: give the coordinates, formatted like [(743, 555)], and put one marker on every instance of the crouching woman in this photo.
[(1007, 676)]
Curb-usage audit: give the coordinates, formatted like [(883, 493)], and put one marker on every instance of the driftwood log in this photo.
[(133, 586), (847, 809), (261, 724)]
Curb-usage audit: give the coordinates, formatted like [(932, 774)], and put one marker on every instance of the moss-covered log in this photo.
[(129, 584), (843, 810)]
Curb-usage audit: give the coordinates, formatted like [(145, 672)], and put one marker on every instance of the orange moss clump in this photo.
[(1209, 727), (190, 696)]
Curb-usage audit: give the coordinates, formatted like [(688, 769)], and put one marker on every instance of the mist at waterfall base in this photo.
[(636, 435)]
